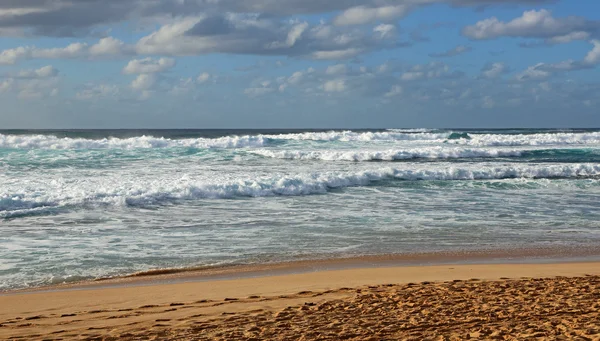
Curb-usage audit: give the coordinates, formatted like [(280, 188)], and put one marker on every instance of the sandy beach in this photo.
[(442, 302)]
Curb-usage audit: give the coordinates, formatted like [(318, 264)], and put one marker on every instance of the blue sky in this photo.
[(299, 63)]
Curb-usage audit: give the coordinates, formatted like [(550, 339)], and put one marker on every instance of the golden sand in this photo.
[(452, 302)]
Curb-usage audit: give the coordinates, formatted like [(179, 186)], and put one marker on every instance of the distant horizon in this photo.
[(299, 129)]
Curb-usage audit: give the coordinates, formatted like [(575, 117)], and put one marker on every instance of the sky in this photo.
[(299, 63)]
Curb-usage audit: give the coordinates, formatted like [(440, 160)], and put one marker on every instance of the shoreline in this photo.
[(539, 255), (396, 300)]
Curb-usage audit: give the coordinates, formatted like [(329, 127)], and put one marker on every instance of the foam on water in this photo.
[(351, 136), (262, 140), (388, 155), (90, 205), (545, 139), (40, 197), (53, 142)]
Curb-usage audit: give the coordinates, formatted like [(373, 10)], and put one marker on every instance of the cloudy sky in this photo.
[(299, 63)]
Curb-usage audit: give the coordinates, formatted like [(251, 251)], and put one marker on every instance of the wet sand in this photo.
[(442, 302)]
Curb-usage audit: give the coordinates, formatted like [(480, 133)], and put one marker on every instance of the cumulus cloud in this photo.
[(43, 72), (260, 89), (91, 91), (363, 15), (148, 65), (385, 31), (433, 70), (32, 84), (336, 85), (535, 72), (144, 81), (569, 37), (494, 70), (184, 86), (337, 54), (593, 57), (256, 35), (338, 69), (73, 18), (532, 24), (396, 90), (460, 49), (544, 70), (105, 47), (203, 77), (109, 46)]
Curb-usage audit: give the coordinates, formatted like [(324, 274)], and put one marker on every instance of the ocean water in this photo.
[(86, 204)]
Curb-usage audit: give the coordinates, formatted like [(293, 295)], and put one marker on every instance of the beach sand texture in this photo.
[(451, 302)]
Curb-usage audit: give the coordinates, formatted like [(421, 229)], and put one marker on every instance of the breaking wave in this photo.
[(544, 139), (141, 192), (263, 140), (351, 136), (388, 155), (53, 142)]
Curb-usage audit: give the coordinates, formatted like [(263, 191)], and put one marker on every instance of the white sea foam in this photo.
[(348, 136), (53, 142), (134, 191), (388, 155), (254, 141), (413, 130), (545, 139)]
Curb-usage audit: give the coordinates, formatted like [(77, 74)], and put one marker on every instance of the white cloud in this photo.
[(336, 85), (148, 65), (29, 94), (6, 85), (256, 35), (593, 57), (108, 47), (494, 70), (43, 72), (97, 91), (363, 15), (203, 78), (385, 31), (535, 24), (338, 69), (396, 90), (105, 47), (71, 17), (75, 50), (184, 86), (569, 37), (296, 77), (337, 54), (412, 76), (295, 33), (11, 56), (32, 84), (535, 72), (144, 82), (542, 71)]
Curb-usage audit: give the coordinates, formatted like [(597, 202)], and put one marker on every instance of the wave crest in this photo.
[(53, 142), (388, 155), (141, 192)]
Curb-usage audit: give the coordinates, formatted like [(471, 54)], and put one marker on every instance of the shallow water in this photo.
[(86, 204)]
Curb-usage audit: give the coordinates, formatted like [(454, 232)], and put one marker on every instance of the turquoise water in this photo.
[(86, 204)]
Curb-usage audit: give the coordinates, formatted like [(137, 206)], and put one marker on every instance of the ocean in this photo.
[(84, 204)]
